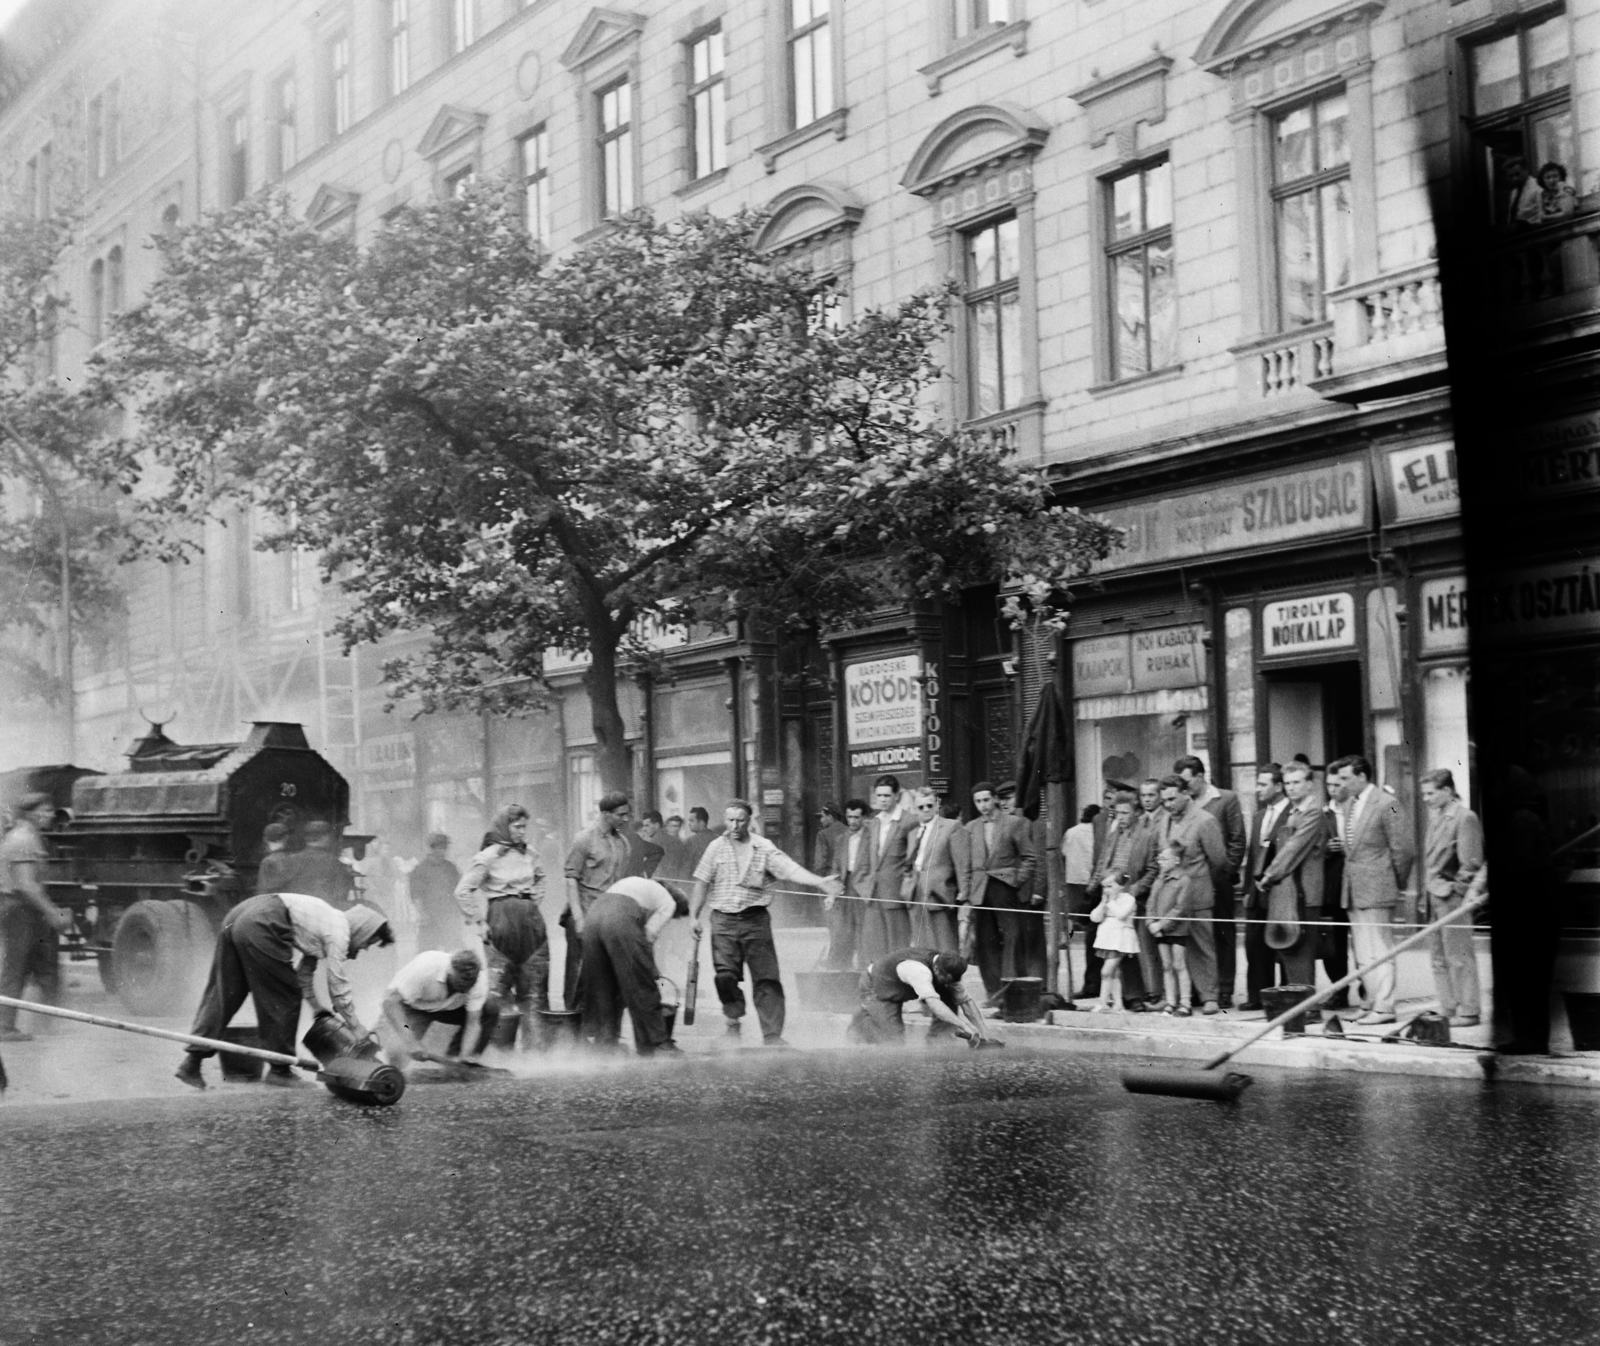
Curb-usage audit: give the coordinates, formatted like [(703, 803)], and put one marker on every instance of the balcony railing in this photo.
[(1285, 363), (1549, 274), (1389, 332)]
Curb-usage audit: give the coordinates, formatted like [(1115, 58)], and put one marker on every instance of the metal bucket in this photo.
[(1430, 1027), (563, 1029), (1276, 999), (328, 1039), (1020, 1000)]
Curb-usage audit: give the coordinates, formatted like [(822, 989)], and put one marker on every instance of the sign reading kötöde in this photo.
[(1305, 625), (883, 700)]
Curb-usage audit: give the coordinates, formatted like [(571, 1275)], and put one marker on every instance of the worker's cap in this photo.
[(368, 927), (951, 967)]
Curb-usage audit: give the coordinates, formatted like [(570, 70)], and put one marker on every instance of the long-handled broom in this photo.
[(1223, 1087)]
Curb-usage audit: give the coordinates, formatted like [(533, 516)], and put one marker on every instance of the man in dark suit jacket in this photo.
[(852, 866), (1267, 830), (317, 871), (1224, 806), (999, 867), (1130, 850), (886, 925), (1030, 958), (830, 834), (1292, 884), (938, 869)]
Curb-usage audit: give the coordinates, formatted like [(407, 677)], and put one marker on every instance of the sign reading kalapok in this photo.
[(1235, 516), (1305, 625)]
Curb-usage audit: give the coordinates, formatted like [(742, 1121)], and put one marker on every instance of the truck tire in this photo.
[(159, 955)]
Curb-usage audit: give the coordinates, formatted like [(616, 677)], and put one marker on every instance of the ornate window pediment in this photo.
[(600, 34), (972, 141), (330, 205), (1271, 49), (807, 217), (451, 126)]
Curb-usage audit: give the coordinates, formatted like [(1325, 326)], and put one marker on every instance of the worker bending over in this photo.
[(927, 975), (438, 988), (619, 965)]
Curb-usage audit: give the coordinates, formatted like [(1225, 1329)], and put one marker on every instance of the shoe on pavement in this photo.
[(1464, 1021), (777, 1042), (1373, 1017), (666, 1049), (732, 1030), (1211, 1007), (1251, 1005), (14, 1035), (284, 1078), (189, 1071)]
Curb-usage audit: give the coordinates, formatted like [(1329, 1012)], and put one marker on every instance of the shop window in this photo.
[(616, 149), (1311, 207), (1140, 281), (1520, 111), (399, 46), (993, 317), (708, 115), (533, 169), (810, 46), (285, 134), (236, 157)]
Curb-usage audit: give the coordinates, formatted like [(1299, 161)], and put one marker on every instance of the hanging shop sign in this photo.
[(1444, 615), (883, 700), (1101, 667), (1547, 601), (1169, 657), (933, 719), (1288, 506), (1560, 457), (1306, 625), (1421, 483)]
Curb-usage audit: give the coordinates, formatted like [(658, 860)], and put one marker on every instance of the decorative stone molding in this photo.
[(975, 48), (835, 124), (1118, 103), (1269, 50), (813, 218), (331, 206), (451, 126), (603, 32), (992, 141)]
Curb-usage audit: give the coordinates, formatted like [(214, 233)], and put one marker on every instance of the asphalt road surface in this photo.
[(809, 1197)]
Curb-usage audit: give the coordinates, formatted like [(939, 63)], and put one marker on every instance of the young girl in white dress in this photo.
[(1116, 938)]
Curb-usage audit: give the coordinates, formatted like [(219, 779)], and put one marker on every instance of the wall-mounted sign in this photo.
[(1169, 657), (1547, 601), (1239, 515), (1305, 625), (932, 718), (389, 761), (1560, 457), (1444, 615), (897, 757), (1100, 667), (1422, 482), (883, 700)]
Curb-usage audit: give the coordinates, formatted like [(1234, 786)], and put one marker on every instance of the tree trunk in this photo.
[(610, 734)]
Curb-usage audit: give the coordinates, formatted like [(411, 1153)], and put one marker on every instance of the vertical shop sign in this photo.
[(933, 728), (1444, 615)]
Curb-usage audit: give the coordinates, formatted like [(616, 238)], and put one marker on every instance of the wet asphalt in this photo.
[(809, 1197)]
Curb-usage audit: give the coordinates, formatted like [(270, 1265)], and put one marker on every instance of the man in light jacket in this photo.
[(1379, 853), (1452, 855), (999, 867), (1291, 888), (938, 868), (852, 866), (1224, 806)]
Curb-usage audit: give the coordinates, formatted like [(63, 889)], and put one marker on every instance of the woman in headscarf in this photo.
[(499, 897)]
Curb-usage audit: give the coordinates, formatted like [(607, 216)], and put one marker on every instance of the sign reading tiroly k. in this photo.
[(1306, 625)]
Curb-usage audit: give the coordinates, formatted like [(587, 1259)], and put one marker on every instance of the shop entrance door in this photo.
[(1315, 711)]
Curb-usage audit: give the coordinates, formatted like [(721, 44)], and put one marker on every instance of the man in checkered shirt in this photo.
[(732, 875)]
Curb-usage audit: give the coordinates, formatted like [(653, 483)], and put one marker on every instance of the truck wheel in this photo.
[(107, 963), (157, 955)]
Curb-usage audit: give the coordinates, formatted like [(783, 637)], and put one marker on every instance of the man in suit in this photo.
[(1129, 850), (830, 833), (937, 873), (852, 866), (1452, 854), (1204, 856), (1030, 955), (999, 867), (1290, 889), (645, 848), (317, 870), (1266, 833), (1224, 806), (886, 925), (1378, 856)]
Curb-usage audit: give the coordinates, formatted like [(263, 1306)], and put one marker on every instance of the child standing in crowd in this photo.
[(1116, 938), (1169, 925)]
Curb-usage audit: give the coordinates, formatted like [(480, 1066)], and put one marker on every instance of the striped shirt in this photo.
[(738, 872)]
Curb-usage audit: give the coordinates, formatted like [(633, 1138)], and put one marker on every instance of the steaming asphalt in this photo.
[(824, 1196)]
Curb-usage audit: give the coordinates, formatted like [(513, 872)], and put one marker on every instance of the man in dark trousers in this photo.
[(433, 891), (437, 987), (1267, 830), (929, 975), (1129, 849), (1032, 900), (886, 920), (852, 867), (1292, 885), (619, 965), (30, 923), (598, 858), (1224, 806), (830, 835), (254, 957), (1204, 857), (1000, 864), (938, 868), (317, 870)]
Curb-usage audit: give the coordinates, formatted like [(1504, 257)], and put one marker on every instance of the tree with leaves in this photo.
[(58, 533), (518, 454)]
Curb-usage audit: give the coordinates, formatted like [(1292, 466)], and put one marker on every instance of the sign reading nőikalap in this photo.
[(1305, 625), (1238, 515), (883, 700)]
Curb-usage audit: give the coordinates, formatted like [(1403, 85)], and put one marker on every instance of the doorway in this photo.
[(1316, 711)]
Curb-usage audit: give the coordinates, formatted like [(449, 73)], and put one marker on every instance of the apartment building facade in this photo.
[(1198, 287)]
